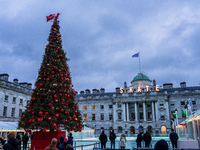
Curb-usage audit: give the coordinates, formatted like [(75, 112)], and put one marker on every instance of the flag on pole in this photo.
[(135, 55), (50, 17)]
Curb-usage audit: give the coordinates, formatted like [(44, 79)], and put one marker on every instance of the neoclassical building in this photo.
[(136, 108), (14, 97)]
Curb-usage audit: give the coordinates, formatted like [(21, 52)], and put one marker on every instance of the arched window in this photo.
[(150, 129), (163, 130), (132, 130), (119, 129), (141, 129)]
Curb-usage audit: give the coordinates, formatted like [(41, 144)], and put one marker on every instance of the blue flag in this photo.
[(135, 55)]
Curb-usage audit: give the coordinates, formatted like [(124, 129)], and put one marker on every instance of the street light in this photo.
[(94, 124)]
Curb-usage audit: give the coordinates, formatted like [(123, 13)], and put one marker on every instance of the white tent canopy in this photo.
[(8, 125)]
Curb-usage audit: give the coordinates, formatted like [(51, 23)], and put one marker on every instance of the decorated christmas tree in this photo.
[(53, 104)]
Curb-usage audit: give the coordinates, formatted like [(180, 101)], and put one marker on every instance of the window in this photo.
[(141, 115), (110, 106), (20, 112), (93, 116), (132, 129), (118, 105), (5, 111), (140, 105), (132, 106), (85, 117), (6, 98), (85, 107), (182, 102), (119, 116), (93, 106), (149, 115), (110, 116), (21, 101), (14, 99), (193, 102), (162, 114), (102, 106), (119, 129), (172, 103), (102, 116), (132, 116), (161, 103), (148, 104), (13, 112)]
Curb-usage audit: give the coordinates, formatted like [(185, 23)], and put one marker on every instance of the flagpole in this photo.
[(139, 64)]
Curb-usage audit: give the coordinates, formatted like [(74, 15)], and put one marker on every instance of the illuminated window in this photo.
[(85, 107), (93, 116), (93, 107), (119, 129), (85, 117), (132, 129), (172, 103), (163, 130)]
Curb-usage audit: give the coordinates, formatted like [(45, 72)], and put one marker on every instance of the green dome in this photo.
[(140, 77)]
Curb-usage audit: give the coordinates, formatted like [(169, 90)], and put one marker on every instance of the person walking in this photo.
[(52, 146), (173, 138), (103, 138), (147, 139), (25, 139), (123, 141), (70, 139), (112, 138), (12, 142), (61, 145), (139, 140)]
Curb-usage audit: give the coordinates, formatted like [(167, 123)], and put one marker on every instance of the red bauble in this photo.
[(62, 110), (39, 119), (33, 98), (58, 125), (81, 126), (47, 113), (23, 116), (54, 125), (74, 127), (54, 91), (55, 96), (44, 129), (33, 112), (30, 120), (50, 104), (77, 125), (26, 130), (57, 115), (33, 120), (49, 118), (29, 111), (56, 101), (40, 113), (66, 120)]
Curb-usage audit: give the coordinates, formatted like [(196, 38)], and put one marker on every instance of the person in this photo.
[(139, 139), (173, 138), (70, 139), (61, 145), (147, 139), (161, 145), (19, 138), (123, 141), (2, 139), (25, 141), (112, 138), (12, 142), (52, 146), (103, 138), (69, 147)]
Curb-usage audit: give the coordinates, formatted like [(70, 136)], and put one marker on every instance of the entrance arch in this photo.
[(132, 129), (163, 130)]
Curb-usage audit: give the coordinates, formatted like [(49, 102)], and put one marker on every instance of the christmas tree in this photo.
[(53, 103)]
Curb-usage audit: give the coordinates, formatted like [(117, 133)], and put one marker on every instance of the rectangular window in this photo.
[(141, 115), (110, 106), (85, 117), (140, 105), (6, 98), (149, 115), (132, 106), (162, 115), (20, 112), (102, 116), (172, 103), (132, 116), (193, 102), (119, 105), (13, 112), (119, 116), (85, 107), (102, 106), (14, 99), (93, 106), (148, 104), (110, 116), (5, 111), (21, 101), (182, 102), (93, 116), (161, 103)]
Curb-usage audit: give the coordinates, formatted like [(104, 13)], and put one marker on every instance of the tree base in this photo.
[(43, 139)]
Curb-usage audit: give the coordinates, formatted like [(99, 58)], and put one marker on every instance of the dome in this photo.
[(140, 77)]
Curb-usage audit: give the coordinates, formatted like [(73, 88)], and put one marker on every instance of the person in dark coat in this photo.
[(173, 138), (70, 139), (12, 142), (112, 138), (25, 141), (139, 139), (2, 139), (147, 139), (161, 145), (103, 138), (61, 145)]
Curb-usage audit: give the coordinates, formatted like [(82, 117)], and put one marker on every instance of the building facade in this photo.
[(136, 108), (14, 97)]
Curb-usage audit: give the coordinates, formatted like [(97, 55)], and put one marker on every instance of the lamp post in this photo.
[(94, 124), (84, 123)]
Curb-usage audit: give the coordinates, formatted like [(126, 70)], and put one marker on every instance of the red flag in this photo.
[(50, 17), (57, 15)]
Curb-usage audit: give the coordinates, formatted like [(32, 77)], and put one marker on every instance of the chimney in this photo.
[(87, 91), (167, 86), (23, 84), (15, 81), (125, 85), (117, 89), (29, 85), (102, 90), (81, 92), (154, 82), (183, 84), (4, 76), (94, 91)]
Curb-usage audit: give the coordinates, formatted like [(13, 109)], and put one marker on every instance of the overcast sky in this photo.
[(100, 37)]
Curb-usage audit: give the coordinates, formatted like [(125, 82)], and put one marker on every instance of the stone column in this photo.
[(144, 111), (114, 112), (156, 107), (167, 109), (153, 113), (136, 119), (127, 112), (124, 111)]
